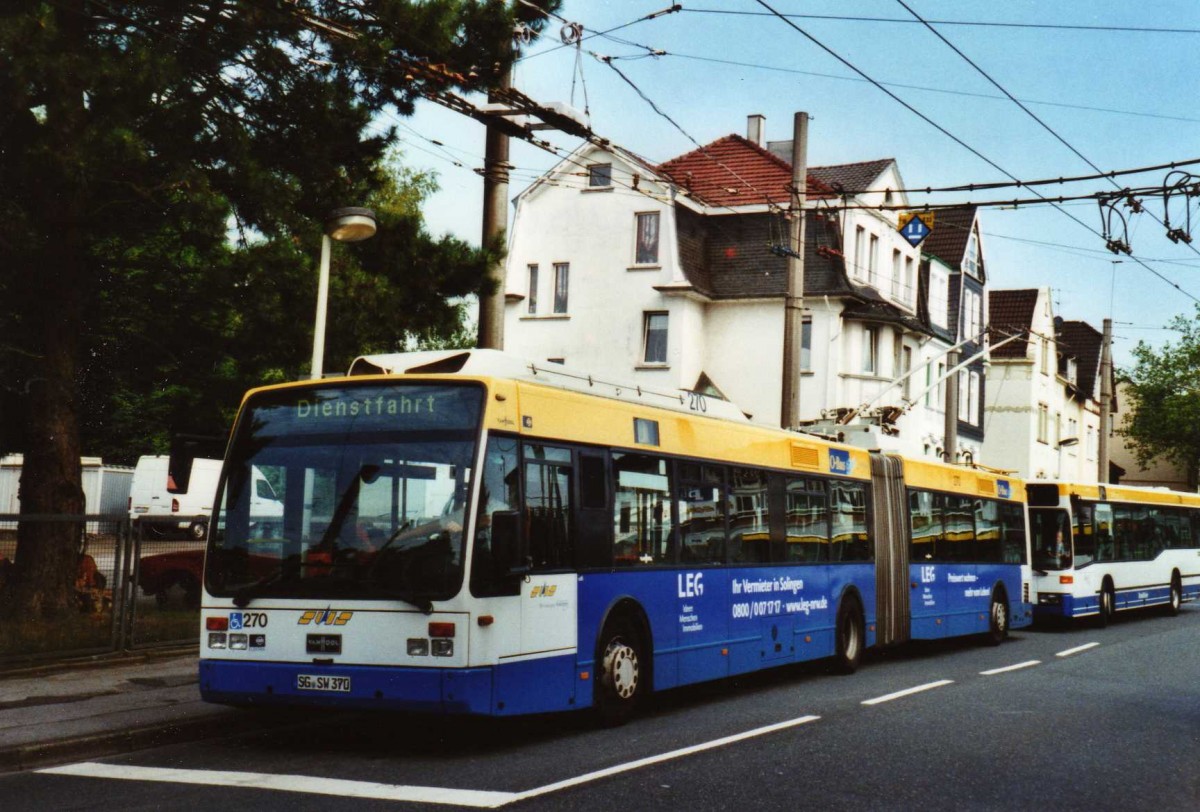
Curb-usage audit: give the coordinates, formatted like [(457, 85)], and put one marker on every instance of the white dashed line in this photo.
[(308, 784), (908, 692), (480, 799), (1017, 667), (1076, 650)]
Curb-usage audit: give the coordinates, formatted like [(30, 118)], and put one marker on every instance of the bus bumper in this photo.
[(430, 690)]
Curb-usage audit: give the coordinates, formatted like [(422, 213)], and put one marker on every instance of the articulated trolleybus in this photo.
[(466, 533), (1099, 549)]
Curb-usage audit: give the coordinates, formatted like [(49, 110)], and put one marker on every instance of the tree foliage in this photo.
[(166, 166), (1164, 387)]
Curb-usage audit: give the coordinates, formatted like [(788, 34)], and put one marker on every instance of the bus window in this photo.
[(641, 510), (849, 541), (499, 500), (548, 506), (989, 545), (1051, 530), (1083, 534), (749, 517), (701, 514), (807, 520), (1016, 548), (1103, 521), (926, 523), (959, 540)]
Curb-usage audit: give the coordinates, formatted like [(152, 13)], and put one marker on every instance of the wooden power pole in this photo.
[(793, 313)]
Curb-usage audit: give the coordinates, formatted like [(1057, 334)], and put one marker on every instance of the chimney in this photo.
[(756, 129)]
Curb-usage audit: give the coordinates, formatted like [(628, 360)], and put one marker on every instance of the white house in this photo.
[(674, 277), (1043, 414)]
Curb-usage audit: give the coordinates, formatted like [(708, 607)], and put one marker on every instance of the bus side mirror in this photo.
[(508, 547)]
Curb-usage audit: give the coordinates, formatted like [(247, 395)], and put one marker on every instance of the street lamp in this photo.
[(344, 225)]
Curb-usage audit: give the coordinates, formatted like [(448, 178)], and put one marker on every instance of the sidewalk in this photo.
[(68, 711)]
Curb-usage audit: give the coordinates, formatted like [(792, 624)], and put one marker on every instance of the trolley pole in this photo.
[(1106, 393), (793, 313), (950, 444), (495, 220)]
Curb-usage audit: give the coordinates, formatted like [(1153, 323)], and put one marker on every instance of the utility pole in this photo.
[(495, 221), (1106, 394), (950, 443), (793, 313)]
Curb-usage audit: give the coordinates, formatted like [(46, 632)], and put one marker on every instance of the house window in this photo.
[(533, 287), (873, 262), (1045, 356), (972, 319), (654, 340), (860, 260), (1043, 425), (974, 384), (905, 369), (971, 260), (599, 175), (562, 272), (870, 349), (964, 399), (647, 239), (910, 289), (1092, 443), (897, 280), (806, 345)]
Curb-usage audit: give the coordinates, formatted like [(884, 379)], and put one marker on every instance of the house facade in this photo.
[(1042, 412), (674, 276)]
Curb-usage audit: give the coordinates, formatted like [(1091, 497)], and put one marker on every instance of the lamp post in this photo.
[(344, 225)]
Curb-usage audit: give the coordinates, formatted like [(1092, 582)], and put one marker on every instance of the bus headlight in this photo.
[(443, 647), (418, 647), (216, 639)]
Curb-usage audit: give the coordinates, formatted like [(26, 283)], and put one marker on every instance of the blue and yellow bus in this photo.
[(466, 533), (1101, 549)]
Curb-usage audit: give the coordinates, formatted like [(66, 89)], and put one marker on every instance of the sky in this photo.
[(1112, 83)]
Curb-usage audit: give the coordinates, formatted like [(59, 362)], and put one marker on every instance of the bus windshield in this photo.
[(1051, 535), (371, 485)]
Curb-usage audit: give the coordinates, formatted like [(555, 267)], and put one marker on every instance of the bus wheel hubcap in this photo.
[(621, 669), (999, 616)]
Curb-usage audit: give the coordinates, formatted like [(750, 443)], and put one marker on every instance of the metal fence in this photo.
[(137, 585)]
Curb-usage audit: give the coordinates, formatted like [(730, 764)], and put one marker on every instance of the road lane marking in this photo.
[(1026, 664), (646, 762), (481, 799), (908, 692), (1076, 650), (309, 784)]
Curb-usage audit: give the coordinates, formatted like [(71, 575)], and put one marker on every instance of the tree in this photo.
[(132, 134), (1164, 390)]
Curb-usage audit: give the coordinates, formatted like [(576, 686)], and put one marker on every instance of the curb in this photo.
[(107, 660), (220, 724)]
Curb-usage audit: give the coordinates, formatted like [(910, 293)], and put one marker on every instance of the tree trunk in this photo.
[(42, 582)]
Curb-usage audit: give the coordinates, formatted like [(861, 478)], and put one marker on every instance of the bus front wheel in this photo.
[(621, 675), (849, 637)]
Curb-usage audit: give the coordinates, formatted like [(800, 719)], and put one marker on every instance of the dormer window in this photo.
[(599, 176), (1072, 371), (971, 260)]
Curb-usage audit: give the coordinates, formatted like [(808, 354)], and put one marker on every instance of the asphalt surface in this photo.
[(1064, 718)]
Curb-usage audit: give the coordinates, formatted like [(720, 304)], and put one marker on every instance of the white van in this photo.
[(161, 508)]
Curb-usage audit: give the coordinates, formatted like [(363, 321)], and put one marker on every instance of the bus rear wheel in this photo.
[(621, 672), (997, 618), (1176, 601), (1108, 604), (849, 638)]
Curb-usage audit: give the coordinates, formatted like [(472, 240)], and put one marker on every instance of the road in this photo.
[(1077, 718)]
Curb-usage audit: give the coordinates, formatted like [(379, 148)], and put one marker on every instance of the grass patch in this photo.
[(69, 633), (154, 625)]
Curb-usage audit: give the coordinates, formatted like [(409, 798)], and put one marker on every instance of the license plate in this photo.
[(314, 682)]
